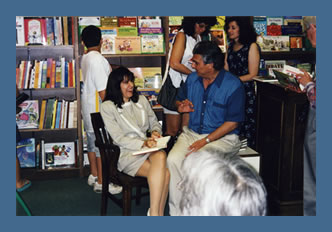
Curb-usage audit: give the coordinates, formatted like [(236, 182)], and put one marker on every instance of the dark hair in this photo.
[(113, 89), (188, 24), (248, 34), (91, 36), (210, 53)]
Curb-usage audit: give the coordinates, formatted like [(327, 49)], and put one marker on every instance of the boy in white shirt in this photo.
[(95, 71)]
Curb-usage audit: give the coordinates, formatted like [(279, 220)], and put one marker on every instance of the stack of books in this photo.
[(244, 143)]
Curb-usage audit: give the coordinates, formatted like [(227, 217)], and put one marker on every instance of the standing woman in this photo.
[(192, 29), (242, 59), (127, 117)]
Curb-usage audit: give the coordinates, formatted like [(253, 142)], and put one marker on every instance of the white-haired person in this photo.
[(217, 184)]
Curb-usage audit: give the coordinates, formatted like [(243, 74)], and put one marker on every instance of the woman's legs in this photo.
[(156, 172)]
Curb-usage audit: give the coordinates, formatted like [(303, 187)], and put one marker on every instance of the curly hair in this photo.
[(113, 89), (188, 24), (248, 34)]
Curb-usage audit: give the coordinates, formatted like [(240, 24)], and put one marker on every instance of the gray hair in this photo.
[(217, 184)]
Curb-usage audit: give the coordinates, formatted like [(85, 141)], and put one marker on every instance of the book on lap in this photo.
[(161, 143)]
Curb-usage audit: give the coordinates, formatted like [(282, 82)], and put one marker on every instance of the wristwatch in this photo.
[(207, 140)]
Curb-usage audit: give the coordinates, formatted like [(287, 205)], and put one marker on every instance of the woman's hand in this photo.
[(304, 78), (150, 142), (155, 135)]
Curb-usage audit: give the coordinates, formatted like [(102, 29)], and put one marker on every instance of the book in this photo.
[(265, 79), (219, 37), (146, 26), (59, 154), (35, 31), (296, 42), (152, 43), (109, 21), (128, 45), (274, 30), (127, 21), (26, 153), (161, 143), (20, 31), (220, 23), (49, 113), (42, 114), (273, 43), (175, 20), (260, 25), (274, 20), (271, 65), (288, 81), (147, 77), (291, 29), (29, 115), (127, 31)]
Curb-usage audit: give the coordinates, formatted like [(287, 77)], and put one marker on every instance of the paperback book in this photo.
[(288, 81), (59, 154), (161, 143), (29, 115), (152, 43), (26, 153)]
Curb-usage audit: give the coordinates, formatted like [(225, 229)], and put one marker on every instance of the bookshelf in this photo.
[(42, 52)]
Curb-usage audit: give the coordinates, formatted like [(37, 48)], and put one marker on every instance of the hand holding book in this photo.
[(151, 145)]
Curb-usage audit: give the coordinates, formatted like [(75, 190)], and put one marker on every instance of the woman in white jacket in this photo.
[(127, 117)]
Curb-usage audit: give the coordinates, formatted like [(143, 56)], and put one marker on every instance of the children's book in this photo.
[(26, 153), (59, 154), (288, 81), (161, 143), (29, 115)]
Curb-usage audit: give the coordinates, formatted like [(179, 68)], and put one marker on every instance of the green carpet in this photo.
[(71, 197)]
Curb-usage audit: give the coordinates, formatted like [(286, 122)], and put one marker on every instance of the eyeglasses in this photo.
[(202, 25)]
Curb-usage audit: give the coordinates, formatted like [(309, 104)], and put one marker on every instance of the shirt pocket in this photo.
[(218, 112)]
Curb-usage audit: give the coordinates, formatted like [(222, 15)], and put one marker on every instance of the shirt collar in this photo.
[(218, 80)]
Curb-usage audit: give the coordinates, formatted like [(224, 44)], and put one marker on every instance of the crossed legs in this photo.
[(154, 168)]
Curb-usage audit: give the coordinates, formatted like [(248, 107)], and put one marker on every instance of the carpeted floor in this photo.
[(71, 197)]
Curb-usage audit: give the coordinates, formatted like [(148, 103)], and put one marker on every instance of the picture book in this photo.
[(109, 21), (128, 45), (220, 23), (59, 154), (147, 77), (149, 23), (271, 65), (127, 21), (29, 115), (219, 36), (175, 20), (288, 81), (20, 31), (296, 42), (152, 43), (273, 43), (26, 153), (161, 143), (274, 20), (260, 25), (127, 31), (35, 31), (274, 30), (108, 36)]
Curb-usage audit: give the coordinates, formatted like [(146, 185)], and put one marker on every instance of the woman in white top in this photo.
[(192, 29), (127, 117)]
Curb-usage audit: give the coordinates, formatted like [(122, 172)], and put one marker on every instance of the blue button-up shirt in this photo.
[(223, 100)]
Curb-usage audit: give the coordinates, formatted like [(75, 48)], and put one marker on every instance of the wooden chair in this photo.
[(110, 155)]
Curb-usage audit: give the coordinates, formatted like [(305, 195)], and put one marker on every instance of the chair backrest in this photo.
[(108, 151)]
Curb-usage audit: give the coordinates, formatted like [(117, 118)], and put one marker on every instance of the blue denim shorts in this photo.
[(91, 143)]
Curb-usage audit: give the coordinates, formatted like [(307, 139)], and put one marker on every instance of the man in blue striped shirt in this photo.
[(214, 101)]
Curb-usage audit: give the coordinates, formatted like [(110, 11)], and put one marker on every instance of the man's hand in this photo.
[(304, 78), (196, 146), (185, 106)]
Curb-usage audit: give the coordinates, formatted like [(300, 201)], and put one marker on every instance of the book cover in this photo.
[(20, 31), (54, 113), (273, 30), (152, 43), (35, 31), (273, 43), (50, 31), (291, 29), (127, 31), (26, 153), (59, 154), (58, 115), (29, 115), (288, 81), (110, 21), (274, 20), (49, 113), (296, 42), (219, 37), (152, 23), (128, 45), (37, 67), (270, 65), (151, 95), (161, 143), (220, 23), (127, 21), (108, 45), (152, 77), (265, 79), (175, 20), (89, 20)]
